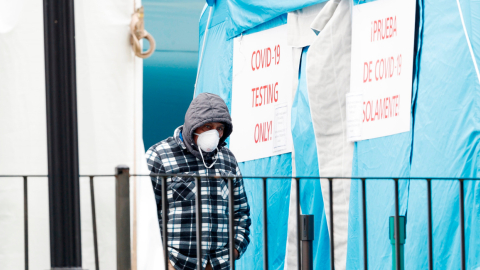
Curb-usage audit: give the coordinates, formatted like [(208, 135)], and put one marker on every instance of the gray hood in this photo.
[(205, 108)]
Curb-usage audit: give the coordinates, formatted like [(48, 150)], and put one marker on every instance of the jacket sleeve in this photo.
[(155, 166), (242, 220)]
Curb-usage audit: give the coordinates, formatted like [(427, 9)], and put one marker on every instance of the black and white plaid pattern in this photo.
[(170, 156)]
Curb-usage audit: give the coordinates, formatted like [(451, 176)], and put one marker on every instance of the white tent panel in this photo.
[(300, 34), (109, 82), (23, 135), (328, 80)]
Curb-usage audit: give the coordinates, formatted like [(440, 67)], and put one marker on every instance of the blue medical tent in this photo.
[(216, 77), (443, 141)]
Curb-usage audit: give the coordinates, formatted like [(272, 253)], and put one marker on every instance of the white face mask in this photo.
[(208, 141)]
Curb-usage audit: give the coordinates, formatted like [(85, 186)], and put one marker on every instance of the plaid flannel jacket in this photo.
[(170, 156)]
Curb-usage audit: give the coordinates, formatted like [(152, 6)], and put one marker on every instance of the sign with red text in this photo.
[(261, 95), (383, 35)]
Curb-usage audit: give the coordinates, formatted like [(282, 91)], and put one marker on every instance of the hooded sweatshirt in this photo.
[(205, 108), (181, 159)]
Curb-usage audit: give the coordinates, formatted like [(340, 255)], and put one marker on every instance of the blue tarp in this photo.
[(446, 135), (243, 15), (246, 14), (306, 164)]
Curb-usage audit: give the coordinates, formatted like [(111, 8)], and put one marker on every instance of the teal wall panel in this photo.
[(169, 74)]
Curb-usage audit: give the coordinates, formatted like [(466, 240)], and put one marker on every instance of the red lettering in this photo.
[(365, 70), (385, 108), (383, 29), (269, 135), (264, 131), (381, 69), (370, 71), (265, 94), (260, 132), (269, 57), (275, 92), (386, 28), (381, 109), (397, 103), (391, 66), (391, 26), (251, 61), (395, 27), (261, 97), (363, 112), (262, 57), (394, 98), (368, 105), (387, 111), (379, 34)]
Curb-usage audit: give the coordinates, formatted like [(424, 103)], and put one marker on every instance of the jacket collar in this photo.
[(178, 137)]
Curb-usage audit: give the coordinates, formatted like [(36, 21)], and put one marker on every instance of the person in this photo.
[(198, 149)]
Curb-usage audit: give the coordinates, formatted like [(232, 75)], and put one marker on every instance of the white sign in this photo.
[(261, 95), (280, 125), (383, 35)]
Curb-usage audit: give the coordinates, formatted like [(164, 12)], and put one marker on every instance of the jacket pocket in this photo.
[(224, 183), (182, 188)]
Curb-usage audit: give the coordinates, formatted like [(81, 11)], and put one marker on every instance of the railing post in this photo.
[(165, 222), (265, 225), (430, 238), (25, 218), (231, 227), (399, 260), (401, 243), (332, 242), (198, 221), (94, 223), (364, 220), (307, 241), (299, 251), (462, 224), (122, 199)]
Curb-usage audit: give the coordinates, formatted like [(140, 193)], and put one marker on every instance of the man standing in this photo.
[(198, 149)]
